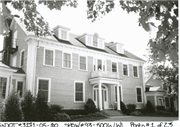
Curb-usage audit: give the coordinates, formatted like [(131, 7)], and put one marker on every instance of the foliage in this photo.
[(90, 107), (42, 108), (123, 108), (136, 113), (13, 110), (131, 107), (160, 108), (28, 107), (149, 107), (61, 117), (160, 15), (54, 109), (2, 108), (32, 19), (166, 113), (163, 47)]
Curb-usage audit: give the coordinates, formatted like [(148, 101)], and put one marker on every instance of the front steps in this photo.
[(111, 112)]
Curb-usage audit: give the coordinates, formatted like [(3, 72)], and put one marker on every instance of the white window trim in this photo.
[(127, 70), (96, 63), (141, 94), (45, 58), (75, 91), (116, 66), (7, 88), (137, 71), (86, 63), (67, 34), (22, 88), (21, 57), (121, 93), (63, 60), (49, 88)]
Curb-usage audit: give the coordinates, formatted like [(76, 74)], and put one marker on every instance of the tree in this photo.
[(13, 110), (33, 20), (163, 47), (28, 107)]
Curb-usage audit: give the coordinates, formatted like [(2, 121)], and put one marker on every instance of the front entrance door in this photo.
[(104, 96)]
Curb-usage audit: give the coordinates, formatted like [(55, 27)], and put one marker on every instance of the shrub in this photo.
[(90, 107), (13, 110), (54, 109), (61, 117), (160, 108), (101, 114), (28, 107), (42, 108), (149, 107), (136, 113), (131, 107), (123, 108), (165, 113)]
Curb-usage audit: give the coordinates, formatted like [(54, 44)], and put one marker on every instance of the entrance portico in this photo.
[(100, 91)]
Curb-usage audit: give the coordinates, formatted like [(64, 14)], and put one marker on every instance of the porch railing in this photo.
[(106, 74)]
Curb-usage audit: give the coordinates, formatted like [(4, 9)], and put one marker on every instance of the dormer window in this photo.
[(61, 32), (64, 34), (92, 40), (95, 40)]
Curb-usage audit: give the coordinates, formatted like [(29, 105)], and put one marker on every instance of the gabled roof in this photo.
[(75, 42)]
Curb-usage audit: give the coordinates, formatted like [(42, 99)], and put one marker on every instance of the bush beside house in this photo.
[(12, 111)]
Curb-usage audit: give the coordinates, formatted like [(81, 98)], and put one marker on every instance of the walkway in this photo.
[(140, 118)]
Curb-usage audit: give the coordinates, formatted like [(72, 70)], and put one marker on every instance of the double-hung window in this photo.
[(114, 67), (99, 64), (20, 88), (49, 57), (3, 83), (139, 94), (67, 60), (79, 92), (95, 40), (125, 69), (64, 34), (44, 88), (22, 59), (135, 71), (82, 63)]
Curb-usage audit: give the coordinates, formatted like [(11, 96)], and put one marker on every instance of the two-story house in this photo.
[(70, 68)]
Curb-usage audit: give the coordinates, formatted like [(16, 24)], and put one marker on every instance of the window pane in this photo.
[(114, 67), (95, 40), (3, 82), (48, 57), (79, 92), (63, 34), (135, 71), (125, 70), (139, 96), (20, 88), (43, 88), (82, 63), (22, 58), (94, 95), (100, 64), (67, 60)]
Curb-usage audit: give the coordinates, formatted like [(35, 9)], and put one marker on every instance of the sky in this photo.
[(116, 26)]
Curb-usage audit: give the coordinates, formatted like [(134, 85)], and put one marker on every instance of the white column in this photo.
[(118, 99), (155, 99), (31, 66), (100, 96)]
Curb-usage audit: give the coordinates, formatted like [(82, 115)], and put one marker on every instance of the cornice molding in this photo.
[(53, 42)]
